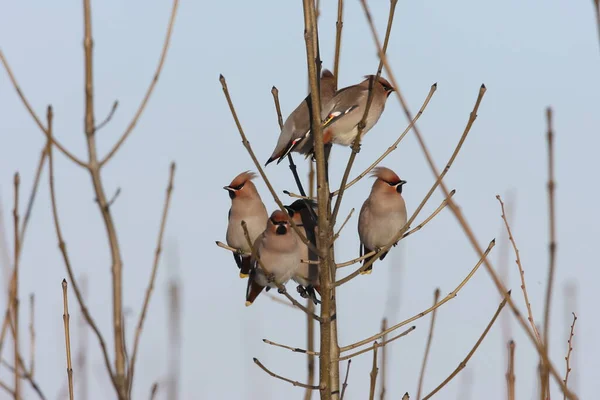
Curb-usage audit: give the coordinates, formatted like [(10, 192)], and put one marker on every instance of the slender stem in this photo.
[(338, 41), (345, 384), (106, 120), (552, 245), (464, 362), (31, 334), (310, 322), (274, 375), (382, 390), (150, 287), (436, 296), (141, 108), (510, 374), (66, 318), (32, 195), (570, 349), (382, 344), (15, 288), (373, 373)]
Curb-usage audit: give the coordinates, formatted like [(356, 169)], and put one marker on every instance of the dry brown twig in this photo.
[(339, 24), (66, 318), (373, 375), (274, 375), (14, 288), (570, 349), (345, 384), (31, 334), (436, 296), (383, 380), (521, 271), (150, 287), (382, 344), (458, 213), (510, 374), (153, 390), (551, 247), (464, 362)]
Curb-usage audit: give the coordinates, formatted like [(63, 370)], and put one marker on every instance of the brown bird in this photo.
[(295, 135), (307, 275), (342, 114), (279, 250), (246, 205), (382, 215)]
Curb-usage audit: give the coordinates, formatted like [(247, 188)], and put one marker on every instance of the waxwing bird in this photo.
[(295, 135), (343, 113), (279, 251), (382, 215), (246, 205), (307, 275)]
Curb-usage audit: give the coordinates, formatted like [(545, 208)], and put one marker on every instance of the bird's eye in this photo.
[(239, 187)]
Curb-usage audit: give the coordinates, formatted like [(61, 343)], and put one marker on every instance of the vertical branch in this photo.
[(552, 245), (338, 40), (328, 366), (384, 327), (66, 318), (436, 296), (31, 334), (15, 288), (345, 384), (174, 338), (373, 374), (310, 322), (570, 349), (597, 9), (81, 359), (510, 374)]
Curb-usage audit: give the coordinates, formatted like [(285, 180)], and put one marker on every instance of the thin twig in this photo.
[(293, 349), (66, 318), (63, 249), (153, 390), (597, 9), (373, 373), (310, 322), (7, 389), (459, 216), (436, 296), (150, 287), (394, 146), (345, 384), (417, 228), (551, 246), (521, 271), (232, 249), (339, 24), (274, 375), (383, 343), (570, 349), (35, 117), (142, 106), (382, 390), (14, 297), (510, 374), (279, 300), (449, 297), (361, 125), (111, 113), (464, 362), (337, 235), (32, 195), (31, 334)]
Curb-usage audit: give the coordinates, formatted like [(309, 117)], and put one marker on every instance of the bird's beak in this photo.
[(403, 183), (228, 188)]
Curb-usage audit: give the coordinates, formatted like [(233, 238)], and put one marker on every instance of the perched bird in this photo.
[(343, 113), (307, 275), (295, 135), (246, 205), (382, 215), (279, 251)]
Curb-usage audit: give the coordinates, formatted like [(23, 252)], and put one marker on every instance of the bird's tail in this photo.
[(253, 290)]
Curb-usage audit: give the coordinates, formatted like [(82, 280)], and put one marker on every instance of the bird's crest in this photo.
[(326, 74), (384, 82), (242, 178), (386, 175), (278, 216)]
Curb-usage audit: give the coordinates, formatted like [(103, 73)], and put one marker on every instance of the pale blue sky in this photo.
[(529, 55)]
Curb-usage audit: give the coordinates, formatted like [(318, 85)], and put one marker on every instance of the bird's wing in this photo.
[(345, 101)]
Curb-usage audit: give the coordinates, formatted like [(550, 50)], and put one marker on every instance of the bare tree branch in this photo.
[(274, 375), (436, 296), (568, 357), (66, 318), (510, 374), (373, 374)]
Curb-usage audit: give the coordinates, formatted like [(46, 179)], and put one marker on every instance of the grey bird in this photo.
[(246, 205), (382, 215), (279, 251), (295, 135)]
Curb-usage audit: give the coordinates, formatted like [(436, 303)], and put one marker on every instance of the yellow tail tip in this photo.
[(248, 303), (367, 272), (243, 276)]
